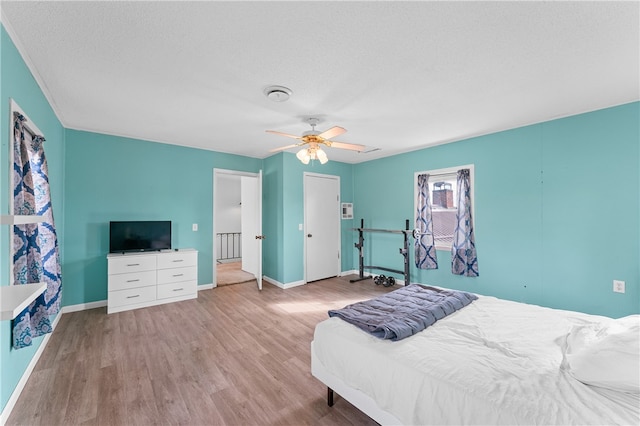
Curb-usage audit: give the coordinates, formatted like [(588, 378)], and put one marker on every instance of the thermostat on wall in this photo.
[(347, 210)]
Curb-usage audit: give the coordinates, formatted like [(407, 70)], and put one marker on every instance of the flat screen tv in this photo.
[(135, 236)]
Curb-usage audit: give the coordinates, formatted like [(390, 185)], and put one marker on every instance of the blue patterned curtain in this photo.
[(35, 246), (464, 259), (425, 250)]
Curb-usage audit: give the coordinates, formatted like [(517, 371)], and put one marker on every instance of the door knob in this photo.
[(309, 235)]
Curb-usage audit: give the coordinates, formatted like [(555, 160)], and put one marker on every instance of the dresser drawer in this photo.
[(132, 296), (132, 280), (177, 259), (137, 280), (175, 275), (184, 288), (126, 264)]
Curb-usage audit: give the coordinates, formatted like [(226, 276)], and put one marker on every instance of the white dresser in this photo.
[(137, 280)]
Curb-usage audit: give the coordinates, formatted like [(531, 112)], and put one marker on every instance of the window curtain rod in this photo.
[(27, 127), (443, 174)]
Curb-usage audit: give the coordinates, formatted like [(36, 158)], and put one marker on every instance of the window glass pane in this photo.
[(444, 208), (443, 197)]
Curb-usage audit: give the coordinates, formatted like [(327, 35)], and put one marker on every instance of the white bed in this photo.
[(493, 362)]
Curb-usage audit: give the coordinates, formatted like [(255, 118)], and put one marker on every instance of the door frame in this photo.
[(216, 173), (304, 208)]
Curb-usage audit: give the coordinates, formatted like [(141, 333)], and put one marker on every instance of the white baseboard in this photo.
[(206, 286), (272, 281), (83, 306), (6, 412), (302, 282), (294, 284), (282, 285)]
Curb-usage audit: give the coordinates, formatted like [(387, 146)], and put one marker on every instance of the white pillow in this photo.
[(606, 356)]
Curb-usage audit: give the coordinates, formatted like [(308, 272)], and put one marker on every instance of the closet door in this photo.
[(322, 226)]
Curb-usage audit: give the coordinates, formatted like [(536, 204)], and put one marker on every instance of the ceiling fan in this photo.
[(312, 140)]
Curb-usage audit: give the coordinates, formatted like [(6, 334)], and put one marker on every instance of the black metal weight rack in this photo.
[(404, 251)]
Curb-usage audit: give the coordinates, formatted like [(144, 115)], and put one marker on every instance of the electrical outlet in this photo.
[(618, 286), (299, 227), (194, 227)]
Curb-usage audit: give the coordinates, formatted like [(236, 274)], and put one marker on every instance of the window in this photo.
[(35, 255), (443, 195)]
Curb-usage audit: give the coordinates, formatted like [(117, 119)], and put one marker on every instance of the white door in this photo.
[(322, 226), (251, 212)]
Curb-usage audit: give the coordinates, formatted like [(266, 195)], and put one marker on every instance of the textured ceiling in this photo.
[(397, 75)]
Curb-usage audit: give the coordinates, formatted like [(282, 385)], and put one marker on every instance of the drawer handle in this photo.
[(132, 281), (178, 260), (178, 275), (178, 289), (131, 297), (133, 264)]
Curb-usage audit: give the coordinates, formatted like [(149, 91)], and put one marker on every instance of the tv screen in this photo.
[(139, 236)]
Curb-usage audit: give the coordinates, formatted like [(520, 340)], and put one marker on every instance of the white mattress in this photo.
[(493, 362)]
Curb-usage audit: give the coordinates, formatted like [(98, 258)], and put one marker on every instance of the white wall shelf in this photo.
[(17, 219), (14, 298)]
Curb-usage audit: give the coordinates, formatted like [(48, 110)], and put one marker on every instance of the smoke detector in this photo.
[(277, 93)]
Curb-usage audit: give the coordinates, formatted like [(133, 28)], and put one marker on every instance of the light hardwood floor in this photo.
[(234, 356), (232, 273)]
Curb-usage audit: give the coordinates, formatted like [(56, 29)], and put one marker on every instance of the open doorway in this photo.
[(232, 249)]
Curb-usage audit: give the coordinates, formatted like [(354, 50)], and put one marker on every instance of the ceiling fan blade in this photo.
[(332, 132), (350, 146), (282, 134), (286, 147)]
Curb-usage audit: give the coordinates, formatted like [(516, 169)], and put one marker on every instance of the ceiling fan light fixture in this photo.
[(321, 156), (312, 141), (312, 153), (304, 156), (278, 93)]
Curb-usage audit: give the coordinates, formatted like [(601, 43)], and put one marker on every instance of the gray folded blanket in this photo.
[(403, 312)]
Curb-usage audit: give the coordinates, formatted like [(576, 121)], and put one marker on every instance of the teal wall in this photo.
[(17, 82), (591, 211), (557, 211), (114, 178), (273, 264), (283, 195)]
